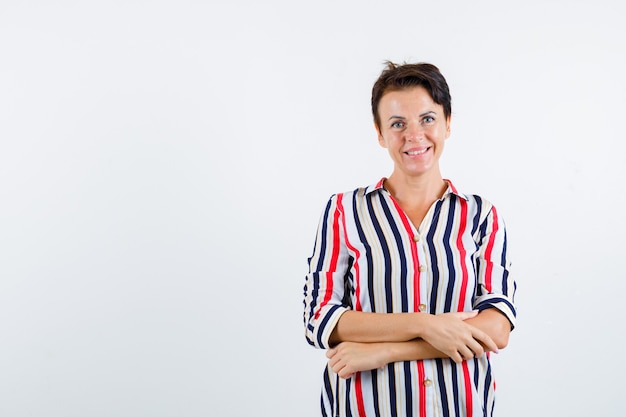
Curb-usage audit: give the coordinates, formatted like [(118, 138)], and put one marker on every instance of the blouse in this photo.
[(368, 256)]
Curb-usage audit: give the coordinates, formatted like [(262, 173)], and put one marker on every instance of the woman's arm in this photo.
[(449, 333), (325, 284), (495, 324), (496, 286), (349, 357)]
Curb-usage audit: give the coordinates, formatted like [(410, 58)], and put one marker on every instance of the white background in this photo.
[(163, 167)]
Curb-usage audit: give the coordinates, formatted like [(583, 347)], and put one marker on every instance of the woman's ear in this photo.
[(381, 139)]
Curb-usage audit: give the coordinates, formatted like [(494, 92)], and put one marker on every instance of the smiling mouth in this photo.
[(420, 152)]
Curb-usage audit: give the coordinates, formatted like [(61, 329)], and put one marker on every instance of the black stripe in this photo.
[(386, 255), (442, 388), (393, 406), (324, 322), (432, 249), (408, 389), (328, 391), (374, 377), (479, 207), (505, 276), (320, 262), (492, 301), (347, 397), (403, 262), (451, 270), (488, 382), (368, 250), (455, 389)]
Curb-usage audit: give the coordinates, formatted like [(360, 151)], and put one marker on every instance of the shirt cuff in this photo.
[(329, 317), (499, 302)]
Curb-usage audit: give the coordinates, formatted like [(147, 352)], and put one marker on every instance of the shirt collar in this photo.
[(450, 190)]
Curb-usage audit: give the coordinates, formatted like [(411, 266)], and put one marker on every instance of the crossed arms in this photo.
[(363, 341)]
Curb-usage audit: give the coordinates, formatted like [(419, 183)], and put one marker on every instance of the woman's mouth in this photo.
[(417, 152)]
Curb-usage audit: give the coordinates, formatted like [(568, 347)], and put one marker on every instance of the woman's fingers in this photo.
[(464, 315), (485, 340), (347, 358), (342, 369), (459, 340), (338, 363)]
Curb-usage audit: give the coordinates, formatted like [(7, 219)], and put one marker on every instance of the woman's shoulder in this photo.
[(358, 192), (476, 202), (471, 196)]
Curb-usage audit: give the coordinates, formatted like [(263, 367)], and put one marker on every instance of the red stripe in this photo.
[(358, 387), (489, 250), (357, 256), (452, 187), (465, 277), (333, 260), (421, 377), (416, 301), (359, 394), (468, 390), (416, 261), (461, 248)]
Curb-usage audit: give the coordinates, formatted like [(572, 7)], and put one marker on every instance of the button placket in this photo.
[(422, 268)]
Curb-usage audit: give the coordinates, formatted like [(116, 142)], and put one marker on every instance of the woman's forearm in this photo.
[(495, 324), (417, 349), (358, 326), (451, 334), (347, 358)]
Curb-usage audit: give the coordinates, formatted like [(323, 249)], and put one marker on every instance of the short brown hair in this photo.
[(399, 77)]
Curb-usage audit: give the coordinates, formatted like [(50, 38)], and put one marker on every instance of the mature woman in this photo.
[(409, 285)]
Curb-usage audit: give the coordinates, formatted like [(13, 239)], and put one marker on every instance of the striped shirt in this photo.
[(368, 256)]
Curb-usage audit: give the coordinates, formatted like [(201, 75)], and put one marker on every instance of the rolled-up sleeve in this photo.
[(496, 286), (325, 282)]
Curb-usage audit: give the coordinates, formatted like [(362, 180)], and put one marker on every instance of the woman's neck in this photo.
[(416, 190)]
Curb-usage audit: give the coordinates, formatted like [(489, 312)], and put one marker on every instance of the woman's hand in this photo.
[(444, 336), (347, 358), (451, 335)]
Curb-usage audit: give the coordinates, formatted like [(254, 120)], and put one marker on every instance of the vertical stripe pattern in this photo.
[(368, 256)]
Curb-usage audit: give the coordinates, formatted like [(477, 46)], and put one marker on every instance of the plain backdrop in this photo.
[(164, 164)]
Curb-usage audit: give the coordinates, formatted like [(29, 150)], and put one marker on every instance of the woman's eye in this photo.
[(428, 119), (397, 125)]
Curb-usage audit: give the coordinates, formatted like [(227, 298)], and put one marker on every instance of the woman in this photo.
[(408, 285)]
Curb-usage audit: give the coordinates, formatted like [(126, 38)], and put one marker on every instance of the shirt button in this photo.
[(416, 238), (428, 382), (422, 307), (422, 268)]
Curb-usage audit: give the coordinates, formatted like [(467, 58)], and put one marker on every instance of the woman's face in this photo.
[(413, 128)]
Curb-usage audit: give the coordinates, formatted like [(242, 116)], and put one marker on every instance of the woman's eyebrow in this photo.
[(421, 115)]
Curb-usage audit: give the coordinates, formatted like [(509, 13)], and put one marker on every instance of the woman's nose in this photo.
[(415, 133)]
